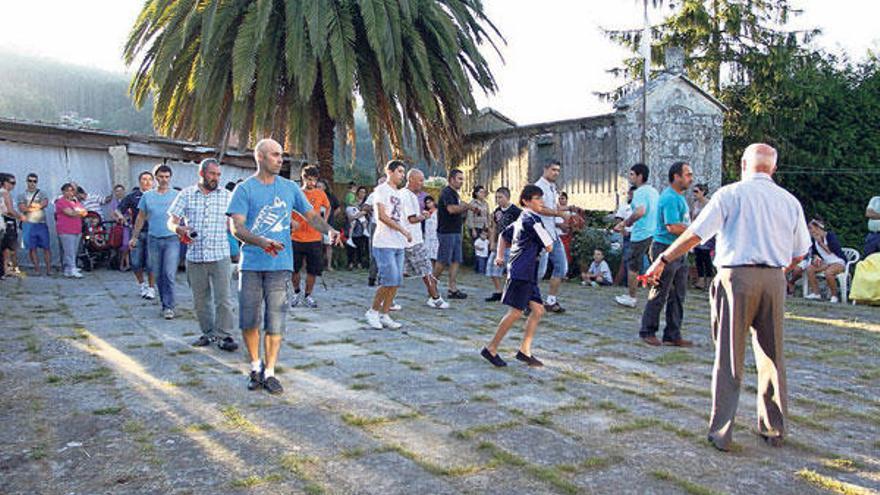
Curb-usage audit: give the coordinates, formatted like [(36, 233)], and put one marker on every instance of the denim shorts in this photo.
[(493, 270), (389, 262), (262, 300), (36, 235), (449, 251), (140, 261), (557, 256)]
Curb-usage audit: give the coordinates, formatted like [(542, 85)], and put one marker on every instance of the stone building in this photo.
[(684, 123)]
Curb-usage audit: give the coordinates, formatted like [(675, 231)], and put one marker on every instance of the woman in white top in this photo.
[(432, 243), (828, 258)]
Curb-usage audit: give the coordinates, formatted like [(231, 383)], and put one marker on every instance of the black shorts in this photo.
[(313, 255), (9, 239), (518, 293), (637, 252)]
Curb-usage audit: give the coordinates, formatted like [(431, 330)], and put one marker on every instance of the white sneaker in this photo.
[(373, 319), (151, 293), (834, 299), (394, 306), (438, 303), (626, 300), (168, 314), (310, 303), (387, 322), (76, 274), (813, 296), (142, 289), (296, 299)]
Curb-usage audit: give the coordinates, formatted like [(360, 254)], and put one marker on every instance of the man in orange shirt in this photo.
[(307, 246)]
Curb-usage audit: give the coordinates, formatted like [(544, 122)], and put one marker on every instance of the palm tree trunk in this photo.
[(326, 127)]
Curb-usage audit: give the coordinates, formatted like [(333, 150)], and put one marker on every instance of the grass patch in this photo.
[(355, 453), (674, 357), (254, 480), (842, 464), (551, 475), (154, 344), (363, 422), (187, 368), (192, 382), (492, 386), (543, 419), (476, 430), (444, 378), (347, 340), (200, 427), (413, 366), (358, 376), (314, 364), (808, 421), (80, 333), (360, 386), (600, 462), (32, 346), (480, 398), (107, 411), (607, 405), (638, 424), (235, 419), (53, 379), (831, 484), (182, 352), (96, 374), (688, 486)]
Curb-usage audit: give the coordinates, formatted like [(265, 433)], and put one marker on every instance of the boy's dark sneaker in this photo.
[(495, 360), (496, 296), (273, 386), (529, 360), (255, 379), (456, 294), (371, 282), (554, 308), (202, 341), (227, 344)]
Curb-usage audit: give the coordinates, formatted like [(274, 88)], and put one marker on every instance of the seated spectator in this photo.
[(872, 240), (828, 258), (599, 273)]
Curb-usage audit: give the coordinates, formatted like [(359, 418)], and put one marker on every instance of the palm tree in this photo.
[(295, 69)]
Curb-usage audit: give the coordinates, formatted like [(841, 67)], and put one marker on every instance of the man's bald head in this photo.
[(265, 146), (759, 157), (269, 155)]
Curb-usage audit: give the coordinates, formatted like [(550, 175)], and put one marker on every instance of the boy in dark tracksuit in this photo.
[(526, 238)]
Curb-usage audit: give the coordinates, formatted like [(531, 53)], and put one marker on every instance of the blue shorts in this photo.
[(518, 294), (560, 262), (449, 251), (140, 259), (493, 270), (389, 262), (36, 235), (262, 300)]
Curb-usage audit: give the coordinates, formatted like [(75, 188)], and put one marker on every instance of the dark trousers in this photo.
[(872, 243), (703, 258), (357, 255), (670, 292)]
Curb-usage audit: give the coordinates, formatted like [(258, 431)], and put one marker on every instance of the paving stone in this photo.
[(539, 445)]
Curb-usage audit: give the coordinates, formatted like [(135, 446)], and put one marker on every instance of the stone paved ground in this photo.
[(101, 396)]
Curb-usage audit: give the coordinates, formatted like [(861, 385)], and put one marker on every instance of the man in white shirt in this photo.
[(761, 232), (389, 241), (549, 213), (415, 256)]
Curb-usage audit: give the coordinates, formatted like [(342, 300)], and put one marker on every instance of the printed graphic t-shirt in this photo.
[(384, 236), (267, 209)]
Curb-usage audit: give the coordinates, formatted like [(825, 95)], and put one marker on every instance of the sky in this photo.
[(555, 58)]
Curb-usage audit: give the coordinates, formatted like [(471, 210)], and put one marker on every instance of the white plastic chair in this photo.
[(852, 257)]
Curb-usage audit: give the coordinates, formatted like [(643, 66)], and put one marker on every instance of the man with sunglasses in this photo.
[(198, 217), (32, 204)]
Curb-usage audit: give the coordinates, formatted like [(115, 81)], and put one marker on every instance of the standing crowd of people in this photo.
[(752, 232)]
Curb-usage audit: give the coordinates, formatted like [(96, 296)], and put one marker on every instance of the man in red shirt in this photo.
[(307, 246)]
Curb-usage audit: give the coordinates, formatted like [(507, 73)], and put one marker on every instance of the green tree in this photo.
[(294, 69)]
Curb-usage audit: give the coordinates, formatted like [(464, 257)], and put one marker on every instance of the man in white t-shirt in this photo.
[(549, 213), (389, 241), (415, 258), (872, 213)]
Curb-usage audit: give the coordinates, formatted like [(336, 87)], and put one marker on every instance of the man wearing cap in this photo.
[(761, 232)]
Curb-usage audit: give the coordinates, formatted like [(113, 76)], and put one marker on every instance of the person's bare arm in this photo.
[(794, 263), (458, 209), (871, 214), (676, 228), (685, 242), (387, 220), (499, 253), (320, 224), (138, 226), (173, 225), (635, 216), (240, 232)]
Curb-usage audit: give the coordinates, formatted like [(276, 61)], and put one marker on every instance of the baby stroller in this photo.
[(96, 247)]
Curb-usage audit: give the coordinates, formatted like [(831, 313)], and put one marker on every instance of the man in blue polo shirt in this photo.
[(673, 218), (260, 210), (643, 221)]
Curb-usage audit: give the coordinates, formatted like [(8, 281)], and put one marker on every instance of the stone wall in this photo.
[(684, 124)]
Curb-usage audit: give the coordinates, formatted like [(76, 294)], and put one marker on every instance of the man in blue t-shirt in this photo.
[(163, 246), (673, 218), (260, 210), (528, 240), (643, 221), (126, 214)]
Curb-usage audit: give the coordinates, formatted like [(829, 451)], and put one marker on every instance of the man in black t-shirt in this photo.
[(450, 216), (504, 215), (126, 213)]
